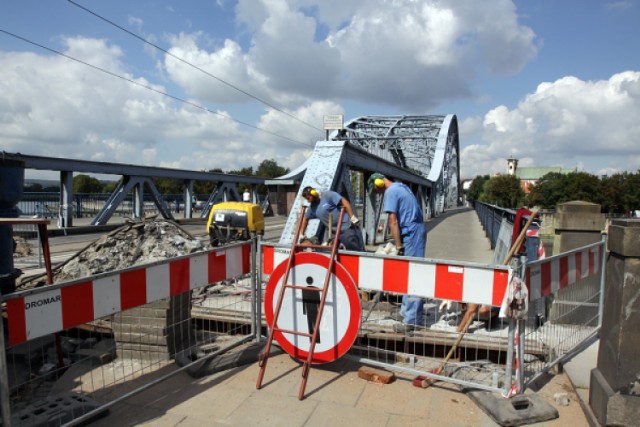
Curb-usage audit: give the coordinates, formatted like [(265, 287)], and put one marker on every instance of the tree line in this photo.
[(617, 194), (87, 184)]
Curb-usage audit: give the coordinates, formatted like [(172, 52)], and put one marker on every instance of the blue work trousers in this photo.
[(415, 243)]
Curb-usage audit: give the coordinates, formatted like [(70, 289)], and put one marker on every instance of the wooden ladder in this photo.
[(295, 248)]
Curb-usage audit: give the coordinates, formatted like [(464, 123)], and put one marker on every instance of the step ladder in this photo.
[(296, 248)]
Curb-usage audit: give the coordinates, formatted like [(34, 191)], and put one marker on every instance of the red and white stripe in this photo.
[(547, 276), (457, 282), (47, 311)]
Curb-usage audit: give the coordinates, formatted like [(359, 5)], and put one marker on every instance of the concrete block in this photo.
[(623, 410), (376, 375), (519, 410), (599, 394), (57, 410), (624, 237), (566, 240), (578, 207), (580, 216)]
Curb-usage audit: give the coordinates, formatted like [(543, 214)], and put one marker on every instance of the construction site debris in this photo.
[(135, 243)]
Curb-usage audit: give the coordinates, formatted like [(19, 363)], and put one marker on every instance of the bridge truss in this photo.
[(427, 145), (421, 151)]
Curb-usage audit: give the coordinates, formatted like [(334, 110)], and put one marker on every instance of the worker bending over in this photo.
[(325, 206)]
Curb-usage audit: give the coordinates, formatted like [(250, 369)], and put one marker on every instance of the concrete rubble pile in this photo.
[(155, 331), (133, 244)]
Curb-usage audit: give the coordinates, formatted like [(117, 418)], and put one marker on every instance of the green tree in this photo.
[(246, 171), (554, 188), (206, 187), (86, 184), (621, 192), (270, 169), (110, 187), (169, 185), (476, 187), (505, 191)]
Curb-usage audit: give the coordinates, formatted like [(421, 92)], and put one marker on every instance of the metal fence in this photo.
[(29, 252), (482, 359), (565, 314), (76, 348)]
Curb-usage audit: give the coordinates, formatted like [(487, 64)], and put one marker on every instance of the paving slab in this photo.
[(335, 395)]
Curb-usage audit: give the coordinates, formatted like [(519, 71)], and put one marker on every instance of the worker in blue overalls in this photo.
[(406, 223)]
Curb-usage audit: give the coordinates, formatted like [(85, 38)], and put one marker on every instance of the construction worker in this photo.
[(409, 233), (325, 206)]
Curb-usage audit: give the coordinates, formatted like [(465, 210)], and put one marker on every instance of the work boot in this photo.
[(403, 328)]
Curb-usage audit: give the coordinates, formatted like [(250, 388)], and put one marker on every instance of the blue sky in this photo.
[(551, 83)]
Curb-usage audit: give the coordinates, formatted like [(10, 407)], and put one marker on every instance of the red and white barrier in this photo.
[(546, 276), (426, 278), (47, 311)]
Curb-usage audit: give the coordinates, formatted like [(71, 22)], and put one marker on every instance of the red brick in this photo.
[(376, 375)]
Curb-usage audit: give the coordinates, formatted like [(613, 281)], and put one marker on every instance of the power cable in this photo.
[(192, 65), (149, 87)]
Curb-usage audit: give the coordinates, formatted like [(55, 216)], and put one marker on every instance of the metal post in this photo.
[(39, 246), (258, 291), (520, 355), (509, 365), (254, 326), (4, 380), (602, 278)]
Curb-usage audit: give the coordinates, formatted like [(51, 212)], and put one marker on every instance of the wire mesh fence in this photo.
[(76, 373), (28, 251), (67, 374), (436, 349), (566, 315)]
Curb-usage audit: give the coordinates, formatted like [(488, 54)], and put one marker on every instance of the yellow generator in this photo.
[(231, 221)]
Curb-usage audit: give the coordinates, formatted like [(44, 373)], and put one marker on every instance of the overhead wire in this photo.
[(192, 65), (184, 101)]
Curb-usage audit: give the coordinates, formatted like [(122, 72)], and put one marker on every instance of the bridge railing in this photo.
[(47, 204), (491, 218)]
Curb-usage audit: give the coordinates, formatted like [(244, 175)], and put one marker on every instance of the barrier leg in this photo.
[(4, 380)]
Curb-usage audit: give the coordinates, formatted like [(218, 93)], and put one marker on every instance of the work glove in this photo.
[(400, 251), (354, 220)]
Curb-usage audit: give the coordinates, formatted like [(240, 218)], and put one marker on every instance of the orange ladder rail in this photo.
[(295, 247)]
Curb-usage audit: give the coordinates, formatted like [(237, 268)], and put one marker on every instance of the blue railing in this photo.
[(47, 205), (491, 217)]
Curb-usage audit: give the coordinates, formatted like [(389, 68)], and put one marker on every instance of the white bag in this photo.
[(515, 303)]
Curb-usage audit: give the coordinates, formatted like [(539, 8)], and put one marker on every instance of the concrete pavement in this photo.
[(335, 395)]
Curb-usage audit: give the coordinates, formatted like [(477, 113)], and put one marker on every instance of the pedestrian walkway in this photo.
[(335, 394)]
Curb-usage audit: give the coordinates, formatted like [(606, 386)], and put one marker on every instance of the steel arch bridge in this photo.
[(426, 145), (421, 151)]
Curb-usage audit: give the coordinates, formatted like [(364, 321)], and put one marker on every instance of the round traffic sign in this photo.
[(340, 318)]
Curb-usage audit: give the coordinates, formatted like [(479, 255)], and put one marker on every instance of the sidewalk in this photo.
[(335, 395)]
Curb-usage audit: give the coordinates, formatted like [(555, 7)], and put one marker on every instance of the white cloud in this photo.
[(411, 55), (309, 59), (569, 123)]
